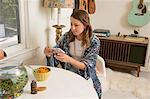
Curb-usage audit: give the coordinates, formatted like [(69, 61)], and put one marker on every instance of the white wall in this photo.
[(110, 14), (113, 14)]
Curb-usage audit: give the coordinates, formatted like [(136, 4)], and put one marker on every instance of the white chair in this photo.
[(100, 66), (108, 93), (101, 73)]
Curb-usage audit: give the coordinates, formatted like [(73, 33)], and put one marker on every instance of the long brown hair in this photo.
[(83, 17)]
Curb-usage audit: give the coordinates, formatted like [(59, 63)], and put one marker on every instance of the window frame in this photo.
[(24, 29)]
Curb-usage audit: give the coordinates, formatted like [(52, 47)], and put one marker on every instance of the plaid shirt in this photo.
[(89, 59)]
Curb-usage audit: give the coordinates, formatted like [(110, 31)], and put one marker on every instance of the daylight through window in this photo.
[(9, 23)]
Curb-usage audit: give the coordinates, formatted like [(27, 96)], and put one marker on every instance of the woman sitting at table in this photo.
[(81, 48)]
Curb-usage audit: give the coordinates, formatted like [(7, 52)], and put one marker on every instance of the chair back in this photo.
[(101, 73), (100, 66)]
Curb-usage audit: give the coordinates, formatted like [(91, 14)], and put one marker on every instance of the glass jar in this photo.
[(13, 78)]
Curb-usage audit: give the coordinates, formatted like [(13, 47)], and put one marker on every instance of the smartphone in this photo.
[(57, 50)]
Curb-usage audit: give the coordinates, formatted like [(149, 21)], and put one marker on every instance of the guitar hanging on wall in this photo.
[(88, 5), (83, 5), (139, 15), (91, 6)]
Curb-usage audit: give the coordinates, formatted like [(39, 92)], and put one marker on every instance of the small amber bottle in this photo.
[(33, 87)]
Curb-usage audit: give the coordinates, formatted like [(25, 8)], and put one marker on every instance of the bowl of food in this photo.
[(42, 73)]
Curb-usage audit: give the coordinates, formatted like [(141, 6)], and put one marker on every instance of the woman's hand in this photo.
[(63, 57), (48, 51), (66, 58)]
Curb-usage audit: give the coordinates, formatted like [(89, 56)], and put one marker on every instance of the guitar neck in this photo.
[(141, 2)]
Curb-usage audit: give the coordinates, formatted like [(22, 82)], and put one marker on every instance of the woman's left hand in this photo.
[(63, 57)]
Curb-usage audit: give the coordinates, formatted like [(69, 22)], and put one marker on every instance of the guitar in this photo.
[(76, 4), (139, 16), (83, 5), (91, 6)]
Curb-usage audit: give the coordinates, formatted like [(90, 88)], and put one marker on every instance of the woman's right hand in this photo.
[(48, 51)]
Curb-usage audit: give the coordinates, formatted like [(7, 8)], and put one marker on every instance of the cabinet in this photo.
[(123, 50)]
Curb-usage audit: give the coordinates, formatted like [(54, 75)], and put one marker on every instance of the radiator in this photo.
[(115, 50), (120, 49)]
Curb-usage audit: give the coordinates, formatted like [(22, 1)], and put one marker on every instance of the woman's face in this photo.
[(77, 27)]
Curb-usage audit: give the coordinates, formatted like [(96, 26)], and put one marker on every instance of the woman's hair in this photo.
[(83, 17)]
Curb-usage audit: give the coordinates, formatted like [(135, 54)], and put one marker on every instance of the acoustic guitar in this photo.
[(83, 5), (76, 4), (139, 15), (91, 6)]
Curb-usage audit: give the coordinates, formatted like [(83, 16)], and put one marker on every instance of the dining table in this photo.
[(61, 84)]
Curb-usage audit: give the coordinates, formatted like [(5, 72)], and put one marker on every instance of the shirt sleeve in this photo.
[(89, 58)]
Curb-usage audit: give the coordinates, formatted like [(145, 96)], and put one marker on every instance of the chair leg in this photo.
[(138, 71)]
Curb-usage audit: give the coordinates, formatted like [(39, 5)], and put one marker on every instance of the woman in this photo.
[(81, 48)]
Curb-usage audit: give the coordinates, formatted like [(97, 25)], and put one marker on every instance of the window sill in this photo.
[(21, 55)]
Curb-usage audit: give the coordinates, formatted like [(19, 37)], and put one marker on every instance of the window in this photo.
[(13, 25), (9, 23)]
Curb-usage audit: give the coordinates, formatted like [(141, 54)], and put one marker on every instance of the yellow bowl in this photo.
[(41, 73)]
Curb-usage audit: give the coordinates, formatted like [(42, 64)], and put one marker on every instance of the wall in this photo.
[(113, 14), (39, 28)]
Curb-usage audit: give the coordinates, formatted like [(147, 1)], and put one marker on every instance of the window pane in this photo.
[(9, 23)]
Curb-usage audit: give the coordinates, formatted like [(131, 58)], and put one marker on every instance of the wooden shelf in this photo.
[(124, 52), (127, 39), (124, 65)]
